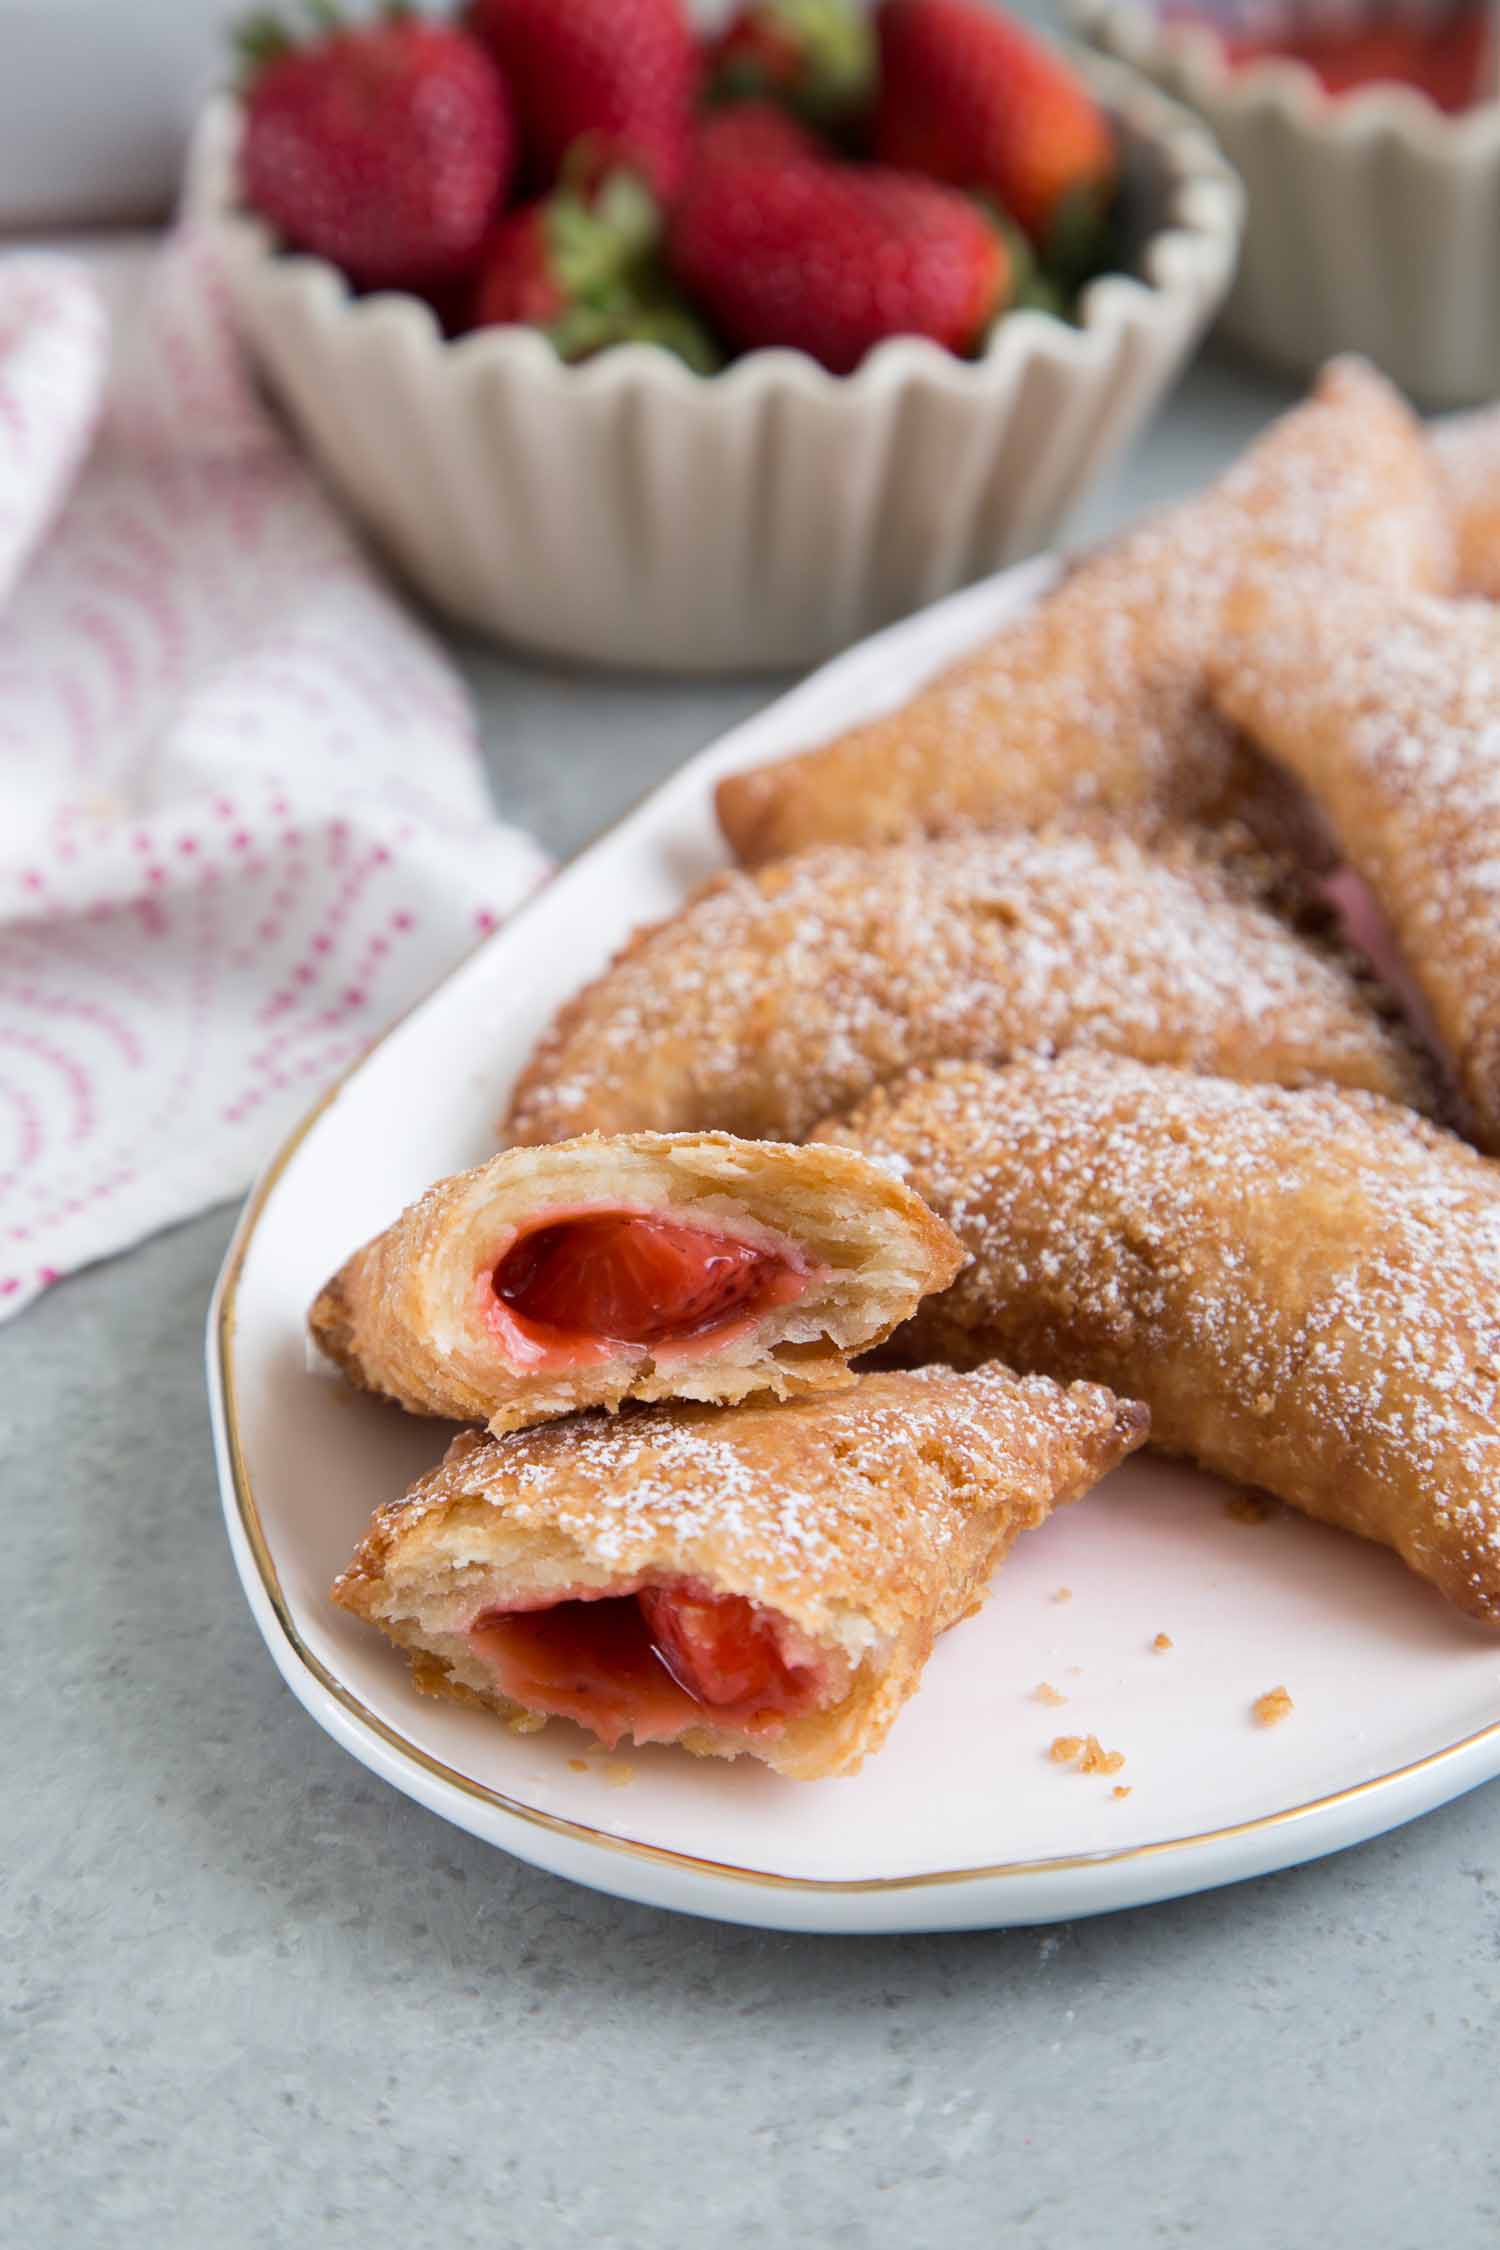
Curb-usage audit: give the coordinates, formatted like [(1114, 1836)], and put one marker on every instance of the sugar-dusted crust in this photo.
[(404, 1315), (1386, 709), (1467, 447), (1304, 1287), (1093, 702), (871, 1518), (775, 998)]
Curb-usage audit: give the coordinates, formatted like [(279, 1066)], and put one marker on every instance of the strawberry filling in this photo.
[(651, 1662), (579, 1284)]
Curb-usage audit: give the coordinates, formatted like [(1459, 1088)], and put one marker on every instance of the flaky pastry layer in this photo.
[(411, 1314), (869, 1519), (775, 998), (1303, 1286), (1093, 702)]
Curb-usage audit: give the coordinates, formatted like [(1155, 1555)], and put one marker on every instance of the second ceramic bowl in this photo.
[(1373, 220), (629, 512)]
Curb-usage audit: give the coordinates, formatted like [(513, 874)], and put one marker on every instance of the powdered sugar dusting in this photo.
[(774, 999), (1095, 700), (1467, 447), (855, 1491), (1389, 710), (1304, 1286)]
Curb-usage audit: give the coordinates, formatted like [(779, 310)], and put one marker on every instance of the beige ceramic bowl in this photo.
[(1373, 222), (629, 512)]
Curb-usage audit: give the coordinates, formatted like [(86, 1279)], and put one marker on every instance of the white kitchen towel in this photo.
[(243, 818)]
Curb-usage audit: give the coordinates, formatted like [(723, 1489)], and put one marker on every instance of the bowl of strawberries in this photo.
[(647, 348)]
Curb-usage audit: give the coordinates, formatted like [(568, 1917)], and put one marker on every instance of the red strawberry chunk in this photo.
[(971, 96), (519, 279), (633, 1279), (624, 73), (752, 132), (650, 1664), (832, 259), (385, 147), (722, 1649)]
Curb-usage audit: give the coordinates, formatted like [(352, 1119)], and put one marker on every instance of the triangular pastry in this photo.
[(761, 1578), (1093, 702), (646, 1267), (772, 999), (1304, 1287), (1386, 711)]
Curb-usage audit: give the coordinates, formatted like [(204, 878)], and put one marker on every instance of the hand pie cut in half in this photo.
[(1093, 703), (647, 1267), (765, 1578), (1386, 710), (776, 998), (1303, 1286)]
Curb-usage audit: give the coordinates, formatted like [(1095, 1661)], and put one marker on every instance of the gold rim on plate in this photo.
[(556, 1823)]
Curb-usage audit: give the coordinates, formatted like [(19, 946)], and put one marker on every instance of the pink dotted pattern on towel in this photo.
[(243, 820)]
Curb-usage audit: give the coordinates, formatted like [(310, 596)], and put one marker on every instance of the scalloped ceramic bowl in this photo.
[(1373, 222), (630, 512)]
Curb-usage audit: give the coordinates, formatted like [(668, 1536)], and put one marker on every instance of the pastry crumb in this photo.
[(527, 1722), (1063, 1594), (619, 1777), (1075, 1671), (1120, 1789), (1269, 1709), (1249, 1507), (1087, 1751), (1163, 1641), (1045, 1692), (578, 1765)]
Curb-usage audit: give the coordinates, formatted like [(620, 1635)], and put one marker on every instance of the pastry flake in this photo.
[(764, 1578), (1303, 1286), (1092, 703), (653, 1266), (775, 998)]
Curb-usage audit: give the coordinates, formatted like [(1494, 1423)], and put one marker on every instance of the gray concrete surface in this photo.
[(253, 1998)]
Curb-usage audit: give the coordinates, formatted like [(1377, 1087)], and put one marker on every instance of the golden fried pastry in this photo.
[(1386, 709), (655, 1266), (775, 998), (1092, 703), (1304, 1287), (1467, 447), (760, 1578)]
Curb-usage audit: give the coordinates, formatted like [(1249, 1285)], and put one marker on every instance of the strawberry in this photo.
[(386, 147), (972, 97), (816, 56), (754, 131), (622, 72), (721, 1648), (1442, 60), (634, 1279), (832, 258), (581, 265)]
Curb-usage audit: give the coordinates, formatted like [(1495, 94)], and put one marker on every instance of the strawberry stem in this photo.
[(259, 40)]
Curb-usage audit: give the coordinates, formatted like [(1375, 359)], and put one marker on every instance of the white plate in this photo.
[(962, 1820)]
